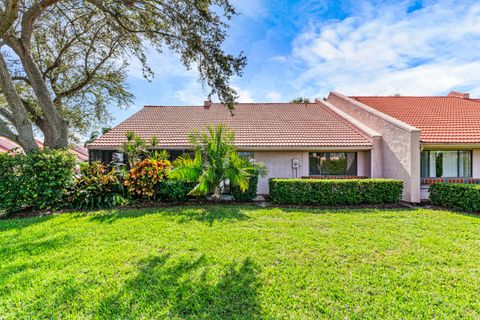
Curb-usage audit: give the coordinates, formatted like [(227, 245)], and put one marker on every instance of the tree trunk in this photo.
[(217, 194), (56, 128), (54, 141), (25, 138), (18, 117)]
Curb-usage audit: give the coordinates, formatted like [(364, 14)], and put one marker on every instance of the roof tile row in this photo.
[(255, 125)]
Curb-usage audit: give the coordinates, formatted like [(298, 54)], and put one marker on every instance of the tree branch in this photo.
[(122, 25), (19, 116), (24, 79), (8, 17), (89, 74), (31, 15), (7, 115), (6, 132)]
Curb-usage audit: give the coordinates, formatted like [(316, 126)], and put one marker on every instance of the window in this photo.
[(333, 163), (104, 156), (174, 154), (246, 154), (450, 164)]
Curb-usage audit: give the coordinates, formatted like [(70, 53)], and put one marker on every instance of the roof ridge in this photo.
[(355, 97), (220, 104)]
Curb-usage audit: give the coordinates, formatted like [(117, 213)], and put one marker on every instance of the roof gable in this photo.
[(440, 119)]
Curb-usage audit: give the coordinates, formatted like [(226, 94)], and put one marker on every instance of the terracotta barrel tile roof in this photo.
[(440, 119), (255, 125), (6, 145)]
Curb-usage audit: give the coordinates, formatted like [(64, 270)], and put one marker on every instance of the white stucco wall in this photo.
[(363, 165), (373, 169), (476, 163), (279, 165), (400, 145)]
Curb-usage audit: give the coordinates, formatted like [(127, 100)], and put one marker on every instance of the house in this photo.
[(419, 140), (7, 145)]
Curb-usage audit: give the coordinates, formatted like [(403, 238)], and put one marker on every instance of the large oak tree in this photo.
[(63, 61)]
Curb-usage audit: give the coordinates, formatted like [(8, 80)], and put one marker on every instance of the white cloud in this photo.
[(243, 95), (274, 96), (387, 50), (191, 94)]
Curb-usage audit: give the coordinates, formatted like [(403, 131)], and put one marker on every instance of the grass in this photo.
[(241, 263)]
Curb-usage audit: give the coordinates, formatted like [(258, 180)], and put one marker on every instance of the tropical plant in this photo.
[(250, 193), (135, 148), (95, 134), (144, 177), (97, 187), (215, 161)]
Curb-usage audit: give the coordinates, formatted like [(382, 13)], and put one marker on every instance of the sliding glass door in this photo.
[(449, 164)]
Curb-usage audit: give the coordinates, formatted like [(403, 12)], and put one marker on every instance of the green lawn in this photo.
[(241, 262)]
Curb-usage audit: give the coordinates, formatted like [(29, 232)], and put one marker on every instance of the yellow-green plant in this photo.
[(215, 160)]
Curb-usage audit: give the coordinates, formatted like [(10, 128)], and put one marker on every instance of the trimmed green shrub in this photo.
[(174, 190), (37, 180), (50, 173), (13, 188), (97, 187), (464, 197), (326, 192), (250, 193)]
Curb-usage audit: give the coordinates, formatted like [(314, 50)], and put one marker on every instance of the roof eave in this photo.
[(255, 148), (450, 145)]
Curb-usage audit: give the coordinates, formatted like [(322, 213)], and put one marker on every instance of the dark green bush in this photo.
[(97, 187), (174, 190), (250, 193), (326, 192), (464, 197), (13, 188), (38, 180)]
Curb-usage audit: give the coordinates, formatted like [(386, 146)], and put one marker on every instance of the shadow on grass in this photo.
[(204, 214), (15, 222), (169, 288)]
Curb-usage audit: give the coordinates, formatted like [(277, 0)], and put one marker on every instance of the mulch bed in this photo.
[(146, 205)]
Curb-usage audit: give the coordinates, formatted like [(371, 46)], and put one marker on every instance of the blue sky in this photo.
[(308, 48)]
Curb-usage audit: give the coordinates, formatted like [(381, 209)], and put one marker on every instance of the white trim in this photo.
[(386, 117)]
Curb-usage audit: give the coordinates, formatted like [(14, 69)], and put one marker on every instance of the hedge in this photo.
[(174, 190), (38, 180), (324, 192), (250, 193), (464, 197)]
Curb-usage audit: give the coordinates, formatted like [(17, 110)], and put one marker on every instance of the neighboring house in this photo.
[(6, 145), (416, 139)]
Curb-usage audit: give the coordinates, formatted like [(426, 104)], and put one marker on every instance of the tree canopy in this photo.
[(300, 100), (62, 62)]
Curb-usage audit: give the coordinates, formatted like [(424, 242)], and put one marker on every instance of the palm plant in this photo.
[(135, 148), (215, 160)]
